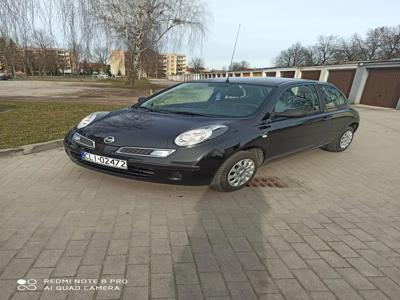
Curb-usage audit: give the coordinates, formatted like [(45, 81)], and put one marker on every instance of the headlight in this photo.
[(198, 135), (90, 118)]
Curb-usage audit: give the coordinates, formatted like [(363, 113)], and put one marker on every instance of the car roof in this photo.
[(267, 81)]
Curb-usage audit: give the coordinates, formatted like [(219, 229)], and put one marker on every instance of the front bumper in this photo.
[(197, 170)]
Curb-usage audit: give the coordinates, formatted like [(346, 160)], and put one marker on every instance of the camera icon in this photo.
[(26, 285)]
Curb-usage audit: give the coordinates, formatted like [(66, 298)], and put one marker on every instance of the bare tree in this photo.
[(348, 50), (144, 24), (323, 52), (102, 55), (370, 46), (197, 64), (391, 42), (239, 66), (43, 53), (295, 56)]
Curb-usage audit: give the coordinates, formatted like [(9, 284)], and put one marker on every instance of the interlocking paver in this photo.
[(309, 280), (333, 259), (206, 262), (335, 235), (137, 293), (373, 295), (94, 256), (161, 263), (213, 284), (241, 290), (114, 264), (322, 268), (262, 282), (17, 268), (67, 267), (355, 279), (323, 296), (48, 258), (189, 292), (185, 273), (343, 250), (292, 260), (292, 289), (277, 268), (305, 251), (364, 267), (387, 286), (137, 275), (342, 289)]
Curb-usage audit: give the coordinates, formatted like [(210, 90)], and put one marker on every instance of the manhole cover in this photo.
[(267, 181)]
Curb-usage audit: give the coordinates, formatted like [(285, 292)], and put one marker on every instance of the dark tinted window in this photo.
[(332, 97), (301, 97)]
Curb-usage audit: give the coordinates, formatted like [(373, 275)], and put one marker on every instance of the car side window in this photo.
[(332, 97), (301, 97)]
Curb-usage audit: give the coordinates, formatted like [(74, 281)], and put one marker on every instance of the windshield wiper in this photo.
[(146, 108), (188, 113)]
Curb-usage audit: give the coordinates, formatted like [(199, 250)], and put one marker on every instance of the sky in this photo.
[(267, 27)]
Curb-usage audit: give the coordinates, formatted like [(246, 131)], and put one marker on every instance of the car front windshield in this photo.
[(210, 99)]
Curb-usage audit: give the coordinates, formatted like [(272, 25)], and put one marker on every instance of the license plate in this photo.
[(104, 161)]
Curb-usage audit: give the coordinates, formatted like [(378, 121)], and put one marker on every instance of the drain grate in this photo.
[(268, 181)]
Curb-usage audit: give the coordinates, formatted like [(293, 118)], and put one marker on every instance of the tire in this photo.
[(339, 145), (248, 161)]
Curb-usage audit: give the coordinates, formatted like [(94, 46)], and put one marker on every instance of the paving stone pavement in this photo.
[(333, 233)]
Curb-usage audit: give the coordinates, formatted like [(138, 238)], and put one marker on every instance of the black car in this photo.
[(5, 76), (214, 131)]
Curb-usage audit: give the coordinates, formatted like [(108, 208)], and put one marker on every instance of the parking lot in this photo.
[(75, 90), (332, 233)]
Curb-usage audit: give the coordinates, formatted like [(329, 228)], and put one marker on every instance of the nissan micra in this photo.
[(215, 131)]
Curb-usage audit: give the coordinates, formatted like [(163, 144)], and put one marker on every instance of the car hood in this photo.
[(140, 128)]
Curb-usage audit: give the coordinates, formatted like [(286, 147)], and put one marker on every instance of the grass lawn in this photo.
[(24, 123)]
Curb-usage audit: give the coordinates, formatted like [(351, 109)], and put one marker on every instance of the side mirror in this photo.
[(289, 113), (139, 101)]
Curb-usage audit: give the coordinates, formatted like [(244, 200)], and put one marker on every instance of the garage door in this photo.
[(287, 74), (382, 87), (270, 74), (343, 79), (311, 75)]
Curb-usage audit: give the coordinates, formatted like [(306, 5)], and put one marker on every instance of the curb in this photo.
[(33, 148)]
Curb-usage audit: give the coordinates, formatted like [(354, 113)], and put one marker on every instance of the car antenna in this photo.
[(233, 54)]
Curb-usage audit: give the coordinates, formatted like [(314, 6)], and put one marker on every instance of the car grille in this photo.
[(135, 151), (132, 170), (152, 152), (80, 139)]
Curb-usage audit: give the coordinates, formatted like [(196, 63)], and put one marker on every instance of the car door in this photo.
[(305, 129), (337, 107)]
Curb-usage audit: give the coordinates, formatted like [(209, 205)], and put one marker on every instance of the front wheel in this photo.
[(342, 142), (235, 172)]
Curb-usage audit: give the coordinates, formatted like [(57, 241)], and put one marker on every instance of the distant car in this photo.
[(5, 76), (214, 131), (102, 76)]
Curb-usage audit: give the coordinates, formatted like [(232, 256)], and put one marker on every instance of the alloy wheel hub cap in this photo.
[(241, 172), (346, 139)]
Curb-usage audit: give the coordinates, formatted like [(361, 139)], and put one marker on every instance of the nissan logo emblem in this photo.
[(109, 139)]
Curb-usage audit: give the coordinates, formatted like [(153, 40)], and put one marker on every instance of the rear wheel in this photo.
[(342, 142), (235, 172)]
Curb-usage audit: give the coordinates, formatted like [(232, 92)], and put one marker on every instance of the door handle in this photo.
[(327, 117)]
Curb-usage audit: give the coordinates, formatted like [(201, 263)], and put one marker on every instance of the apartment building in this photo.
[(38, 61), (158, 66), (171, 64)]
